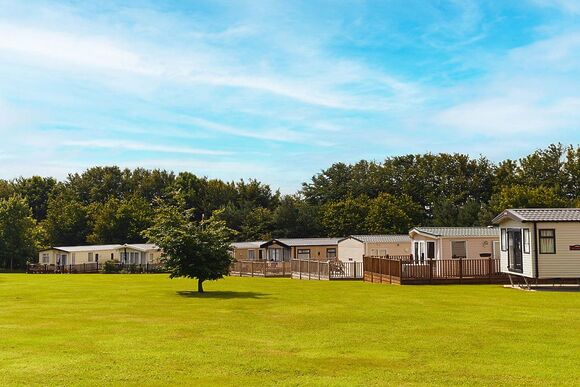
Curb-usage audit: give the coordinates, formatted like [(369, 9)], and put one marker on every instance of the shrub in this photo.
[(111, 267)]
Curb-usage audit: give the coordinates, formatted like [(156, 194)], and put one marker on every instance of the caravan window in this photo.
[(548, 241), (504, 244), (251, 255), (459, 249), (303, 253), (431, 250), (526, 240)]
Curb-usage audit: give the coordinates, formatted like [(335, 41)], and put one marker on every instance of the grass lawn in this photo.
[(150, 330)]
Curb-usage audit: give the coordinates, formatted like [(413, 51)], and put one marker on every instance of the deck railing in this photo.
[(93, 267), (404, 269), (326, 270), (260, 269)]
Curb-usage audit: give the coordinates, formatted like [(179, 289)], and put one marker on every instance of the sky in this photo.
[(279, 90)]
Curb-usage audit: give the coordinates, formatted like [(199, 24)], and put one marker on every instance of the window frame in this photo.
[(503, 239), (459, 241), (427, 244), (251, 254), (553, 238), (328, 251), (526, 241), (90, 257), (303, 251)]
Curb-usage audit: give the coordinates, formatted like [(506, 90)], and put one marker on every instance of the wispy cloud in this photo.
[(139, 146), (282, 91)]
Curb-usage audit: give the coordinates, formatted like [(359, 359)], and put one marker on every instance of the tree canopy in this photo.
[(113, 205), (193, 249)]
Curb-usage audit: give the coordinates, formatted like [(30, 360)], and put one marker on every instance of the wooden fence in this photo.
[(405, 270), (260, 269), (326, 270), (91, 267)]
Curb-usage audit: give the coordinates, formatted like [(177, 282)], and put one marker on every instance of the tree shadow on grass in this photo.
[(224, 295)]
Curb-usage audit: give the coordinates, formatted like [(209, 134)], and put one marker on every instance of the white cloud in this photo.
[(572, 6), (139, 146), (206, 65), (505, 116)]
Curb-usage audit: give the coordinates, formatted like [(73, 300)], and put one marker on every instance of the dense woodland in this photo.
[(113, 205)]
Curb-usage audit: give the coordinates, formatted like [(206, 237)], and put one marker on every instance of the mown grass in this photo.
[(150, 330)]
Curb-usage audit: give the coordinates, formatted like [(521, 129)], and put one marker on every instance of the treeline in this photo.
[(112, 205)]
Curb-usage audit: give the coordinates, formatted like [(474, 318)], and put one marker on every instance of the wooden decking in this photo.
[(260, 269), (299, 269), (326, 270), (404, 270)]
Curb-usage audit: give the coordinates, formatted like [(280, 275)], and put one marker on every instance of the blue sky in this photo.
[(280, 90)]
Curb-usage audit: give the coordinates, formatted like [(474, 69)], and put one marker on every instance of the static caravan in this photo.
[(248, 251), (285, 249), (75, 255), (541, 243), (354, 247), (301, 248), (454, 242)]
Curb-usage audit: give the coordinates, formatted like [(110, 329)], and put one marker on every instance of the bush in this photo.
[(111, 267)]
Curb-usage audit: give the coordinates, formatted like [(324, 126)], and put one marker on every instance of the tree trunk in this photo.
[(200, 286)]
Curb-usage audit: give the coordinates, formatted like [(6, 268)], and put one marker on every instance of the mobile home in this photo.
[(285, 249), (541, 243), (126, 253), (354, 247), (454, 242)]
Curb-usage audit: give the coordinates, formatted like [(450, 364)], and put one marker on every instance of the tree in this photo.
[(257, 225), (66, 222), (391, 215), (120, 221), (36, 190), (519, 196), (17, 233), (191, 249), (345, 217), (296, 218)]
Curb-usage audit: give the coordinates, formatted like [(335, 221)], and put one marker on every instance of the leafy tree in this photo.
[(543, 168), (257, 225), (6, 189), (391, 215), (571, 172), (191, 249), (295, 218), (120, 221), (17, 233), (519, 196), (67, 220), (344, 217), (36, 191), (98, 184)]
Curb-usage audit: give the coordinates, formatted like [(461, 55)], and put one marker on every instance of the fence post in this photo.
[(354, 269), (283, 269), (265, 268), (401, 271), (430, 270), (460, 270), (146, 267), (489, 267), (319, 271), (252, 268)]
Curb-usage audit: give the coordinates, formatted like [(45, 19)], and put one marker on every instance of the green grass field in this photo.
[(150, 330)]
